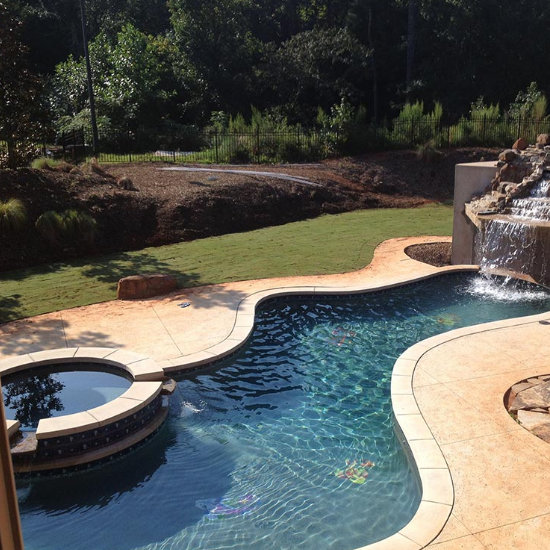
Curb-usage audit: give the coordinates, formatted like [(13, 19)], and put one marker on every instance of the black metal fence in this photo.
[(298, 145)]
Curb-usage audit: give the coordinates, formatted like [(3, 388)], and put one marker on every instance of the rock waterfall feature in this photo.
[(511, 219)]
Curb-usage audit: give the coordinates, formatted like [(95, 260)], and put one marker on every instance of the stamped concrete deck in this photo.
[(500, 472)]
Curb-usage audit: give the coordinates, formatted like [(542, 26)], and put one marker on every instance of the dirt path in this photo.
[(276, 175)]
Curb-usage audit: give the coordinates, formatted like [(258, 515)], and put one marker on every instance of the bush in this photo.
[(50, 226), (43, 163), (70, 227), (427, 152), (79, 227), (291, 151), (13, 215)]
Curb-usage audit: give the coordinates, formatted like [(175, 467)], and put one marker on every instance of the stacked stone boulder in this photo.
[(519, 169)]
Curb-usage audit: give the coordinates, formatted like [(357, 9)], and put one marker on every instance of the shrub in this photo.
[(13, 215), (70, 227), (50, 226), (78, 227), (290, 151), (427, 152), (43, 163)]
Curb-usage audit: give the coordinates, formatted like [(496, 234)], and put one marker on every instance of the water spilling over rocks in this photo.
[(513, 216)]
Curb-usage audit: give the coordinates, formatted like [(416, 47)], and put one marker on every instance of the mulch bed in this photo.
[(437, 254), (170, 206)]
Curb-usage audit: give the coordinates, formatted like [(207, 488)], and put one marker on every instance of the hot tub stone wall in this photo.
[(72, 445)]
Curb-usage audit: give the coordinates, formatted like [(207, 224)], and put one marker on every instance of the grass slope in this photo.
[(328, 244)]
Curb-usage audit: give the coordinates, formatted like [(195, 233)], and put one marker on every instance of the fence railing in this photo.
[(259, 146)]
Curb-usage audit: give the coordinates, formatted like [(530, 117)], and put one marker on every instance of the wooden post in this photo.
[(10, 527)]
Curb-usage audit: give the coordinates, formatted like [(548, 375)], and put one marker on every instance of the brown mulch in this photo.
[(163, 207), (437, 254)]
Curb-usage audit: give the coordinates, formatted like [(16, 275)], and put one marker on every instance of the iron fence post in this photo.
[(258, 144), (216, 144)]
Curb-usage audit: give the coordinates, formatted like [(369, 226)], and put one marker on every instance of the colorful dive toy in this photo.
[(341, 335), (228, 507), (448, 319), (355, 471)]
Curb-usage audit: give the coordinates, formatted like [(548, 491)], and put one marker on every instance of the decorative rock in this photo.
[(169, 386), (520, 144), (126, 183), (508, 155), (145, 286), (531, 420), (543, 140), (532, 398), (514, 390), (543, 432)]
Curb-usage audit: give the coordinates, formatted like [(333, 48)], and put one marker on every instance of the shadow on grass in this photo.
[(109, 269), (10, 308), (31, 335)]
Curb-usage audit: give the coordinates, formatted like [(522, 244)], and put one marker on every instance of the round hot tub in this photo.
[(72, 407), (57, 390)]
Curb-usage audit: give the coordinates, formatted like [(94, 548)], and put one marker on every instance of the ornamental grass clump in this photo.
[(68, 228), (13, 216)]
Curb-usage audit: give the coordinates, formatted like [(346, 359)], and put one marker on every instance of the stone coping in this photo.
[(12, 426), (246, 310), (147, 384)]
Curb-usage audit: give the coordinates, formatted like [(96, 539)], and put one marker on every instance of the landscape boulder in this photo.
[(520, 144), (543, 140), (508, 155), (145, 286)]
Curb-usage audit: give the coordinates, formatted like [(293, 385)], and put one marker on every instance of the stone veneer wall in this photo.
[(56, 448)]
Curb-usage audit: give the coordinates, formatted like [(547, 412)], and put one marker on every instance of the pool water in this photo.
[(58, 390), (288, 444)]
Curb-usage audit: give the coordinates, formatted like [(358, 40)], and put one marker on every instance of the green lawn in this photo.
[(328, 244)]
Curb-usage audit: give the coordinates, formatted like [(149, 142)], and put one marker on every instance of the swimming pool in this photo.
[(255, 450), (58, 390)]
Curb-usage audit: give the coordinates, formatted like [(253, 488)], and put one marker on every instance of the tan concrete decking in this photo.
[(165, 332), (500, 472)]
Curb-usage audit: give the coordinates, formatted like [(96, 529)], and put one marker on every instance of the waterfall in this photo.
[(517, 240)]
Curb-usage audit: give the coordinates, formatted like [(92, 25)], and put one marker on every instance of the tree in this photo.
[(52, 28), (468, 48), (134, 83), (19, 93), (317, 69), (217, 41)]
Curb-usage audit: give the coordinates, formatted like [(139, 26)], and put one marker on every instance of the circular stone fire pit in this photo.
[(528, 402)]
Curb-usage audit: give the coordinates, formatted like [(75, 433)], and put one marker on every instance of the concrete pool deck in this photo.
[(499, 471)]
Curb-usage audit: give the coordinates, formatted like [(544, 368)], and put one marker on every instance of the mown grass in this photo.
[(328, 244)]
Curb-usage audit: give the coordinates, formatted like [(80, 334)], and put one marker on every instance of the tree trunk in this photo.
[(12, 154), (411, 39), (374, 73)]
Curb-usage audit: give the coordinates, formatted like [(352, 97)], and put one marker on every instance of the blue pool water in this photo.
[(255, 449), (58, 390)]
